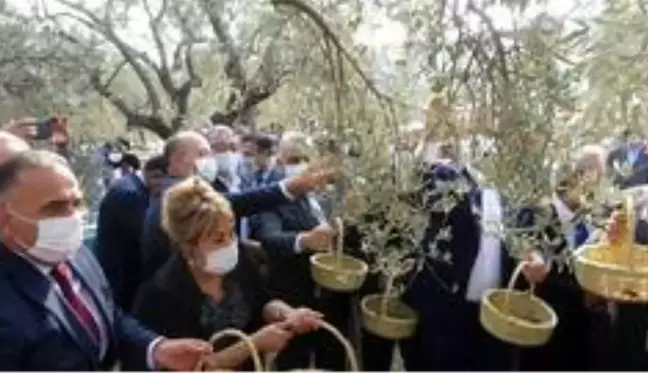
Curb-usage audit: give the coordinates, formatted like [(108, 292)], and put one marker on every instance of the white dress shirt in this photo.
[(486, 270), (565, 216)]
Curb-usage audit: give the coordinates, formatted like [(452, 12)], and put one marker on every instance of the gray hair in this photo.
[(29, 159), (589, 153)]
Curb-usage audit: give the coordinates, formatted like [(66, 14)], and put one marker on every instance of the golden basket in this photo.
[(517, 317), (342, 274), (338, 271), (398, 322), (256, 358), (348, 348), (616, 269)]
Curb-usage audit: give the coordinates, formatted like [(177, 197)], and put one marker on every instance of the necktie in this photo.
[(581, 234), (63, 277)]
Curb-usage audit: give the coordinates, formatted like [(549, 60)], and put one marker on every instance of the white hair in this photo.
[(297, 141), (588, 153)]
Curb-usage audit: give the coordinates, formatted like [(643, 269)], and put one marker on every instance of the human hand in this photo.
[(535, 268), (180, 354), (316, 176), (303, 320), (319, 238), (25, 128), (272, 338), (60, 131)]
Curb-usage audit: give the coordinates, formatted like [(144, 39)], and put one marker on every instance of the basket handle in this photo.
[(514, 277), (254, 352), (627, 241), (348, 348)]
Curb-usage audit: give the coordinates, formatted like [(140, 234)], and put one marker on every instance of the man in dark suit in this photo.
[(289, 234), (462, 261), (185, 152), (57, 311), (119, 227)]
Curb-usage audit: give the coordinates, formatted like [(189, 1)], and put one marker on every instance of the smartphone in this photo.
[(43, 129)]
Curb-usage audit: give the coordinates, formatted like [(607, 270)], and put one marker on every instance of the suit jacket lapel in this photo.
[(39, 290), (89, 274)]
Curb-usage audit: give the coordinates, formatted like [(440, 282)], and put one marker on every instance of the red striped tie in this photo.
[(63, 277)]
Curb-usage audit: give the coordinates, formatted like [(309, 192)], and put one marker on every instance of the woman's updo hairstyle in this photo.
[(191, 208)]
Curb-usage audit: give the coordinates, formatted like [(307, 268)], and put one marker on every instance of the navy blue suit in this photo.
[(290, 280), (449, 335), (156, 247), (37, 332), (119, 227)]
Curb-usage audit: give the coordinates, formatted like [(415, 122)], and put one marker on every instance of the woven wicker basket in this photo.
[(399, 322), (343, 274), (616, 269), (348, 348), (256, 358), (337, 271), (517, 317)]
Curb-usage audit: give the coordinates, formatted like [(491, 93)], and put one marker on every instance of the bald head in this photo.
[(182, 150), (220, 138), (11, 145)]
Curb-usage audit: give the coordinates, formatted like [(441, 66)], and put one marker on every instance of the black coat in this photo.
[(172, 304), (290, 280), (570, 347), (117, 246), (449, 335)]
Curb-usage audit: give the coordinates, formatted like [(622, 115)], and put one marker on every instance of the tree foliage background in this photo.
[(530, 79)]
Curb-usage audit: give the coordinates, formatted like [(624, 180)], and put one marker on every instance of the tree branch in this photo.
[(129, 53), (154, 21), (234, 68), (314, 16)]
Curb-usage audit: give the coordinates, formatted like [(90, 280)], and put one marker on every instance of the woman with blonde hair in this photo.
[(212, 283)]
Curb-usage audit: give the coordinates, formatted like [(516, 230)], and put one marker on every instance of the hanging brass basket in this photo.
[(256, 358), (397, 322), (517, 317), (338, 272), (348, 348), (616, 269)]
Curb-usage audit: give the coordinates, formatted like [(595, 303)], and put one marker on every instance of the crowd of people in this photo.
[(216, 232)]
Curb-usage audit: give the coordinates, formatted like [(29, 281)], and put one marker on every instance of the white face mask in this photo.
[(248, 162), (292, 170), (115, 157), (225, 161), (207, 168), (57, 239), (222, 261)]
